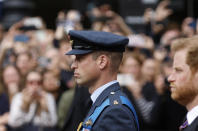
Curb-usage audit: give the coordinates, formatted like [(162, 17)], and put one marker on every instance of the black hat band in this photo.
[(91, 46)]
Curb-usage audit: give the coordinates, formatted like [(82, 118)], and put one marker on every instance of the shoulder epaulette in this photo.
[(113, 99)]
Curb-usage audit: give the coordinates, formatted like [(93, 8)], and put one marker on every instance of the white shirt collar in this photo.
[(192, 114), (98, 91)]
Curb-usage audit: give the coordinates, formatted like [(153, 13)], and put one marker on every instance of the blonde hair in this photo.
[(191, 44)]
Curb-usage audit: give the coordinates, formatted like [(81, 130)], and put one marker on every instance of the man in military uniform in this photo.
[(97, 59), (184, 79)]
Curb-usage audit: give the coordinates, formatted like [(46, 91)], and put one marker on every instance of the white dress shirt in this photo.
[(98, 91), (18, 117), (192, 114)]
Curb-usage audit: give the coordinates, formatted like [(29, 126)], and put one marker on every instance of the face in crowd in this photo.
[(34, 82)]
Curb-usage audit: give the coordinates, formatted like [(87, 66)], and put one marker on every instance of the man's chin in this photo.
[(80, 83), (180, 99)]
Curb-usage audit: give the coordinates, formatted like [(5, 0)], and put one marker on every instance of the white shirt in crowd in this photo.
[(18, 117)]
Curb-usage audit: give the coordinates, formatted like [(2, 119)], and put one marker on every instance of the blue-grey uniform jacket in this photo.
[(112, 111)]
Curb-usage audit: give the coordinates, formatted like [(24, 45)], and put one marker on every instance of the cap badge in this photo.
[(112, 93), (88, 122), (115, 102)]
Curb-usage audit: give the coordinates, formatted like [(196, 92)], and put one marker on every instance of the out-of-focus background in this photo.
[(130, 10), (37, 88)]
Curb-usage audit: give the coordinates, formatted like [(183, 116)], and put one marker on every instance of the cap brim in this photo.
[(78, 52)]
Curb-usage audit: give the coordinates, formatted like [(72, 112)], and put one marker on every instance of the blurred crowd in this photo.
[(37, 90)]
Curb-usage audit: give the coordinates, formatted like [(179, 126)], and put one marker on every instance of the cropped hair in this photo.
[(115, 58)]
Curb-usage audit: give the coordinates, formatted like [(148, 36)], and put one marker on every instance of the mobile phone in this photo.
[(21, 38), (33, 21), (125, 79)]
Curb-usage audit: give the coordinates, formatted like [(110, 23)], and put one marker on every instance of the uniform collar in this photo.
[(98, 91), (192, 114), (103, 95)]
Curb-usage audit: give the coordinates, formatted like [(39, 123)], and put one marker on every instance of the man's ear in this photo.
[(196, 77), (195, 80), (102, 61)]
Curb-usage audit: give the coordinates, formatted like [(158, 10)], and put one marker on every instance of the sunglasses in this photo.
[(34, 82)]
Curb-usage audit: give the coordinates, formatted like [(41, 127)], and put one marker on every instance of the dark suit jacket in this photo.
[(114, 117), (78, 109), (193, 126)]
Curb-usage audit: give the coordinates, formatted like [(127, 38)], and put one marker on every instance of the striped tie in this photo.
[(184, 125)]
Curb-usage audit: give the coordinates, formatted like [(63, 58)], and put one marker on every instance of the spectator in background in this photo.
[(52, 60), (130, 70), (23, 63), (149, 69), (70, 20), (157, 20), (105, 19), (7, 53), (20, 47), (66, 74), (11, 81), (188, 27), (146, 95), (9, 87), (130, 78), (51, 84), (8, 57), (160, 54), (61, 42), (33, 109), (168, 36)]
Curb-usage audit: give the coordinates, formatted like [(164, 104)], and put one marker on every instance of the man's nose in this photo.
[(73, 65), (171, 78)]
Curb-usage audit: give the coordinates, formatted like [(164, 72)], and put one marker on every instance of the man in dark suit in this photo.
[(97, 59), (78, 109), (184, 79)]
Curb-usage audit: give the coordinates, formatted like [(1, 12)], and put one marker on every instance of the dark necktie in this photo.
[(88, 104), (184, 125)]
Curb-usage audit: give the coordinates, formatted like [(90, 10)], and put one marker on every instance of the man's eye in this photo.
[(79, 58)]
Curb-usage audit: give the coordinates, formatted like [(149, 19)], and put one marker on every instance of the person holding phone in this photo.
[(33, 108)]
